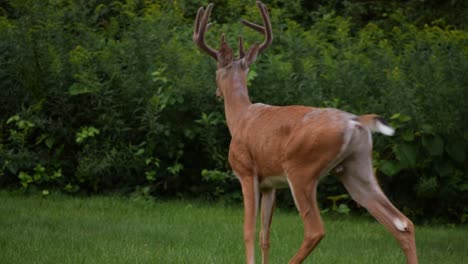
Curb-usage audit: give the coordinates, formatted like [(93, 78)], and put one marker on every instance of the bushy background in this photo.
[(113, 96)]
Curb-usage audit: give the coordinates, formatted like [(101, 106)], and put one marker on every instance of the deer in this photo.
[(274, 147)]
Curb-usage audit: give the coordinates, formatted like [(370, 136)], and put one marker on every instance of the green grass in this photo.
[(60, 229)]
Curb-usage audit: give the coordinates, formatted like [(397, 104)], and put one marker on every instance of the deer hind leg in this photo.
[(267, 204), (358, 178), (306, 203), (250, 193)]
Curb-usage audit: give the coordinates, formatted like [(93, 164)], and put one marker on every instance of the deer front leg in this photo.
[(267, 204), (361, 184), (250, 196)]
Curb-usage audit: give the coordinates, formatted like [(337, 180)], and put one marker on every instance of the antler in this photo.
[(241, 47), (201, 26), (265, 30)]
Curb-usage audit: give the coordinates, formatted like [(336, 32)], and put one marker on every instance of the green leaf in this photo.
[(444, 169), (427, 187), (79, 88), (407, 154), (11, 166), (343, 209), (463, 187), (395, 116), (389, 168), (25, 178), (39, 168), (175, 169), (251, 76), (49, 142), (408, 135), (427, 129), (140, 152), (338, 197), (40, 139), (456, 151), (405, 118), (37, 177), (434, 144), (150, 175), (13, 118), (71, 188), (57, 174)]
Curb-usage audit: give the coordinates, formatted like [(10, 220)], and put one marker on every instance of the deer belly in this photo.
[(274, 182)]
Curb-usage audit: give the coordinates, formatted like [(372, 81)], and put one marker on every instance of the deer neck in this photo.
[(236, 101)]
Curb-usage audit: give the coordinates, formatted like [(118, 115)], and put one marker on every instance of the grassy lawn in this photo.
[(59, 229)]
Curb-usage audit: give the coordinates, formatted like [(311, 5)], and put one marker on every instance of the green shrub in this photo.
[(114, 96)]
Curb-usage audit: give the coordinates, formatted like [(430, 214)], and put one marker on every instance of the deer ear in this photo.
[(251, 55), (224, 55)]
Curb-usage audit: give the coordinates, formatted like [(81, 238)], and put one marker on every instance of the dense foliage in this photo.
[(112, 95)]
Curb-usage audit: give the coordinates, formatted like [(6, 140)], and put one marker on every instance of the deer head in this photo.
[(230, 68)]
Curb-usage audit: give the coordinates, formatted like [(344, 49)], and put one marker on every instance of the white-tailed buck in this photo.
[(293, 146)]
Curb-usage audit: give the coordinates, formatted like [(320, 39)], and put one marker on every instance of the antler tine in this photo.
[(241, 47), (266, 29), (200, 28), (197, 23)]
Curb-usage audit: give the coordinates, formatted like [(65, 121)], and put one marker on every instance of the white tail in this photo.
[(377, 124)]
